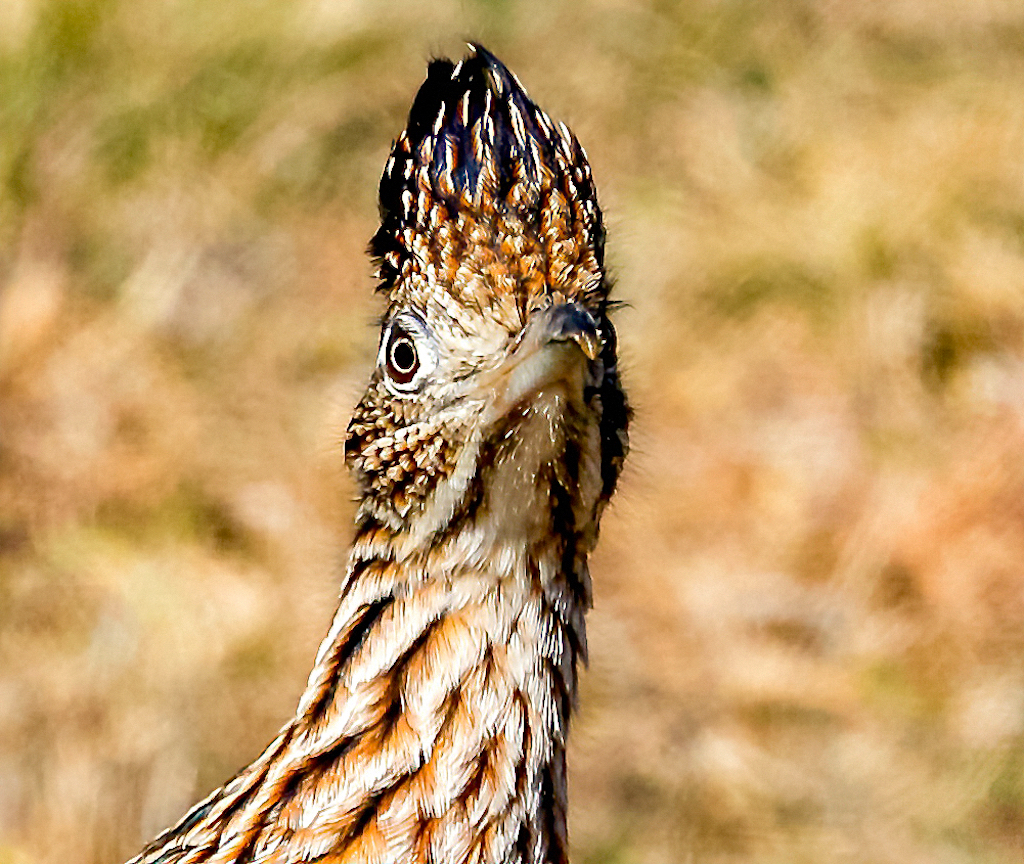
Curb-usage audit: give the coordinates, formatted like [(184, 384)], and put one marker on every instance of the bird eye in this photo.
[(403, 362), (407, 353)]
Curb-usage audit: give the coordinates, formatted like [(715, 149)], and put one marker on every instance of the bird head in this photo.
[(496, 354)]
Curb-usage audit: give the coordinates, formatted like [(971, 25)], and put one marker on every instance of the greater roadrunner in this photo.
[(488, 443)]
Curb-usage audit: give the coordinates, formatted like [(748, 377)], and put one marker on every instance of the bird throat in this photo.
[(433, 726), (443, 692)]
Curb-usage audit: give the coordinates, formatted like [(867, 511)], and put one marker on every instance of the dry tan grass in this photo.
[(808, 643)]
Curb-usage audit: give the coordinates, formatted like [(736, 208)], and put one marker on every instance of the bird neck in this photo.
[(443, 691), (434, 722), (433, 725)]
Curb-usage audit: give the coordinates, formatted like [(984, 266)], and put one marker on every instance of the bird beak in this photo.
[(571, 322), (559, 347)]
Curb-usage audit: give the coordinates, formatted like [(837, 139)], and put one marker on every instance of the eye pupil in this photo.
[(403, 361), (403, 356)]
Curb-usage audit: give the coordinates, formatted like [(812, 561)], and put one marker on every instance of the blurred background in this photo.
[(808, 640)]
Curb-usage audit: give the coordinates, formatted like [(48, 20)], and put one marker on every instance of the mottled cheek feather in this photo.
[(398, 460)]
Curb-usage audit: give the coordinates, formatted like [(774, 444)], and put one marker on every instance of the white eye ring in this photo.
[(407, 354)]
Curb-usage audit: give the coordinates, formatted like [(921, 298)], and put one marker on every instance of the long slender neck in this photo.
[(448, 685), (433, 725)]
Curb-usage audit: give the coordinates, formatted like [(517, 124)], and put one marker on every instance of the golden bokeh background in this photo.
[(808, 640)]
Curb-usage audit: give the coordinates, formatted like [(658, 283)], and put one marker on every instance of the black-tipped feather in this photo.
[(477, 133)]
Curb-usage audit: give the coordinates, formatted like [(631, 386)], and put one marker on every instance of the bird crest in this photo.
[(486, 201)]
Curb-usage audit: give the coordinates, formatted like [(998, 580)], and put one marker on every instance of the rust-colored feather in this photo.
[(487, 444)]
